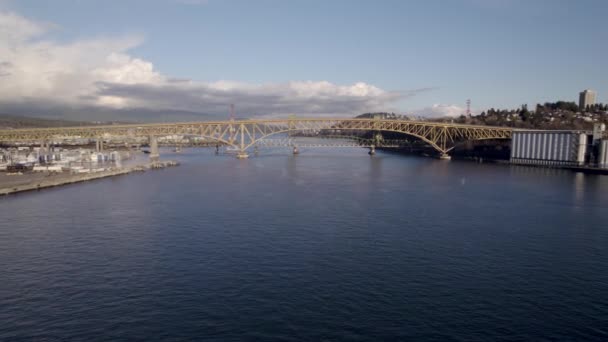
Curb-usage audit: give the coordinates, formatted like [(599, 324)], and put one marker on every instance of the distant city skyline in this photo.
[(161, 59)]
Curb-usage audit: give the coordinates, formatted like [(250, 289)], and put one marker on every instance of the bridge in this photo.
[(242, 135), (334, 141)]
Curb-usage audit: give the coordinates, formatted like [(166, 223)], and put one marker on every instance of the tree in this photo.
[(524, 109), (540, 108)]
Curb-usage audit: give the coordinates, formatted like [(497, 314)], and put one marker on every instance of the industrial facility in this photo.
[(55, 159), (560, 148)]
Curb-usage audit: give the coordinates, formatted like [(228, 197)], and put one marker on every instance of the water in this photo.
[(328, 245)]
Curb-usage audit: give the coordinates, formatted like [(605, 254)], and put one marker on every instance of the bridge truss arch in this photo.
[(243, 134), (441, 137), (258, 139)]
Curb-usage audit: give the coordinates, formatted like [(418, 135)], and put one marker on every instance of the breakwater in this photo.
[(31, 182)]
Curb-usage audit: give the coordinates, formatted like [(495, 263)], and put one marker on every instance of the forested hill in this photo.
[(557, 115), (13, 121), (550, 115)]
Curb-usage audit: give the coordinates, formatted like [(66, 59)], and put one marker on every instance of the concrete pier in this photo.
[(31, 182), (154, 153), (242, 155), (62, 180), (99, 145), (45, 147), (372, 150)]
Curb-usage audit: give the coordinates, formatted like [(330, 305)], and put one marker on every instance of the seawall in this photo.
[(65, 179)]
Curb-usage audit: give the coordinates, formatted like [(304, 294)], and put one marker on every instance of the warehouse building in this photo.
[(561, 148), (550, 148)]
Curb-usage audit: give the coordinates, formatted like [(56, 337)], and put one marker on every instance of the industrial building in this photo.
[(560, 148), (59, 160), (552, 148)]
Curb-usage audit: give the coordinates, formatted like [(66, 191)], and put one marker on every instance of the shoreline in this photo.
[(586, 169), (66, 179), (592, 170)]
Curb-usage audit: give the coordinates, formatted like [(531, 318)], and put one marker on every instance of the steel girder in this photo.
[(242, 134)]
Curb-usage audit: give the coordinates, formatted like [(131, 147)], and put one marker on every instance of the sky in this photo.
[(160, 60)]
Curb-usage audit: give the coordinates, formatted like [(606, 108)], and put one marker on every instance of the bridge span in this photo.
[(244, 134)]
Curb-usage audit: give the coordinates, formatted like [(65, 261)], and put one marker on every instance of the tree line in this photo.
[(550, 115)]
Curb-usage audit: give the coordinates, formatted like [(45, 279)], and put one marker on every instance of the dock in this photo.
[(31, 182)]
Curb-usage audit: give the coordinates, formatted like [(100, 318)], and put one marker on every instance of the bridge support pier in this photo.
[(44, 147), (372, 150), (154, 153), (242, 155), (445, 156), (99, 145)]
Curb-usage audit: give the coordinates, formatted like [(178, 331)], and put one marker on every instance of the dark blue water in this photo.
[(328, 245)]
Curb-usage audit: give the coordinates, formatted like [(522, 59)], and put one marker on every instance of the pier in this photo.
[(12, 184)]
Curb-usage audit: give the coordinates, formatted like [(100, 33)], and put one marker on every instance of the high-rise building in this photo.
[(586, 98)]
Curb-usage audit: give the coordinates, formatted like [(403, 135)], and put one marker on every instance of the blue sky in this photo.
[(424, 57)]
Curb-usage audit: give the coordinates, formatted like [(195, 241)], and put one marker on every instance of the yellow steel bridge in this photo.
[(243, 134)]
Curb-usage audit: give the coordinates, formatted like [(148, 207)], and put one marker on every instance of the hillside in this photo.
[(14, 121), (552, 116)]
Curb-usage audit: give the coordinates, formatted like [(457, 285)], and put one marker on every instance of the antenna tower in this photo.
[(468, 107)]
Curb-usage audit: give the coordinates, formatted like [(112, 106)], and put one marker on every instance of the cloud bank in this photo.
[(441, 110), (100, 75)]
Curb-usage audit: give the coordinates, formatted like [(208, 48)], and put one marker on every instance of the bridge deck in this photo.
[(243, 134)]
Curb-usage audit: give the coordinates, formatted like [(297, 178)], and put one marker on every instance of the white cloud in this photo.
[(33, 67), (15, 28), (302, 98), (440, 110), (101, 72)]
